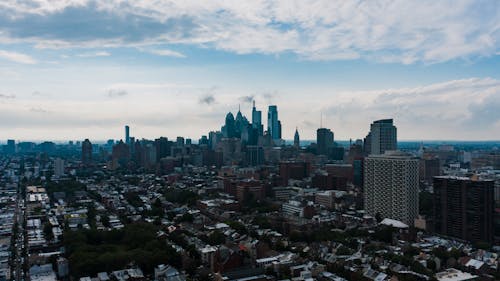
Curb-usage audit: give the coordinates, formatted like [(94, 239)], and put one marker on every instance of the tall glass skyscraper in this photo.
[(273, 124), (127, 134), (257, 120)]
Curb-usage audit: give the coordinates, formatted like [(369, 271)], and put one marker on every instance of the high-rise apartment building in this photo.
[(382, 137), (391, 186), (464, 208), (58, 167), (273, 124), (324, 141)]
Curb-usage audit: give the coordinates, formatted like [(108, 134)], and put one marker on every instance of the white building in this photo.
[(391, 186)]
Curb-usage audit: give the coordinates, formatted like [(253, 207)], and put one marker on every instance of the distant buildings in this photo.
[(391, 186), (381, 138), (464, 208)]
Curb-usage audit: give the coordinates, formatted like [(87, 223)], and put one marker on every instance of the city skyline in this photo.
[(82, 69)]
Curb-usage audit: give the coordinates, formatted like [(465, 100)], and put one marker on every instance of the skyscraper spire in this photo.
[(296, 138)]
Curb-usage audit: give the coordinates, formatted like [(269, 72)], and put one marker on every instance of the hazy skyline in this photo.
[(83, 69)]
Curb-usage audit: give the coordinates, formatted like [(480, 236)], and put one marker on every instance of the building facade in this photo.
[(391, 185), (464, 208), (324, 141), (382, 137), (273, 123)]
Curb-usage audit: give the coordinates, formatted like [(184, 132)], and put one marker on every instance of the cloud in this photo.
[(382, 31), (40, 94), (167, 53), (115, 93), (207, 99), (39, 110), (246, 99), (2, 96), (94, 54), (270, 96), (464, 109), (17, 57)]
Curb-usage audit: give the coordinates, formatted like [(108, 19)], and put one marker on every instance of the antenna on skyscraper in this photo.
[(321, 120)]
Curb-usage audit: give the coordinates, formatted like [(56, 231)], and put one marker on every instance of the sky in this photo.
[(76, 69)]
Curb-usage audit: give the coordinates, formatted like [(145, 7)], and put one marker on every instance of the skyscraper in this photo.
[(273, 124), (86, 152), (382, 137), (296, 139), (58, 167), (464, 208), (127, 134), (229, 128), (257, 120), (391, 186), (324, 141), (10, 148)]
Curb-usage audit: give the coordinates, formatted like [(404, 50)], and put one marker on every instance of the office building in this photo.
[(464, 208), (273, 124), (391, 186), (257, 120), (86, 152), (254, 155), (229, 128), (10, 148), (382, 137), (127, 134), (324, 141), (296, 170)]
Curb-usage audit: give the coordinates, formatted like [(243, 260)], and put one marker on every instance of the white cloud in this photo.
[(167, 53), (94, 54), (17, 57), (383, 31)]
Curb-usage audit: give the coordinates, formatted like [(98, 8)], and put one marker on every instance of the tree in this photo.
[(431, 264), (238, 226), (105, 221), (343, 251), (47, 231), (216, 238)]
